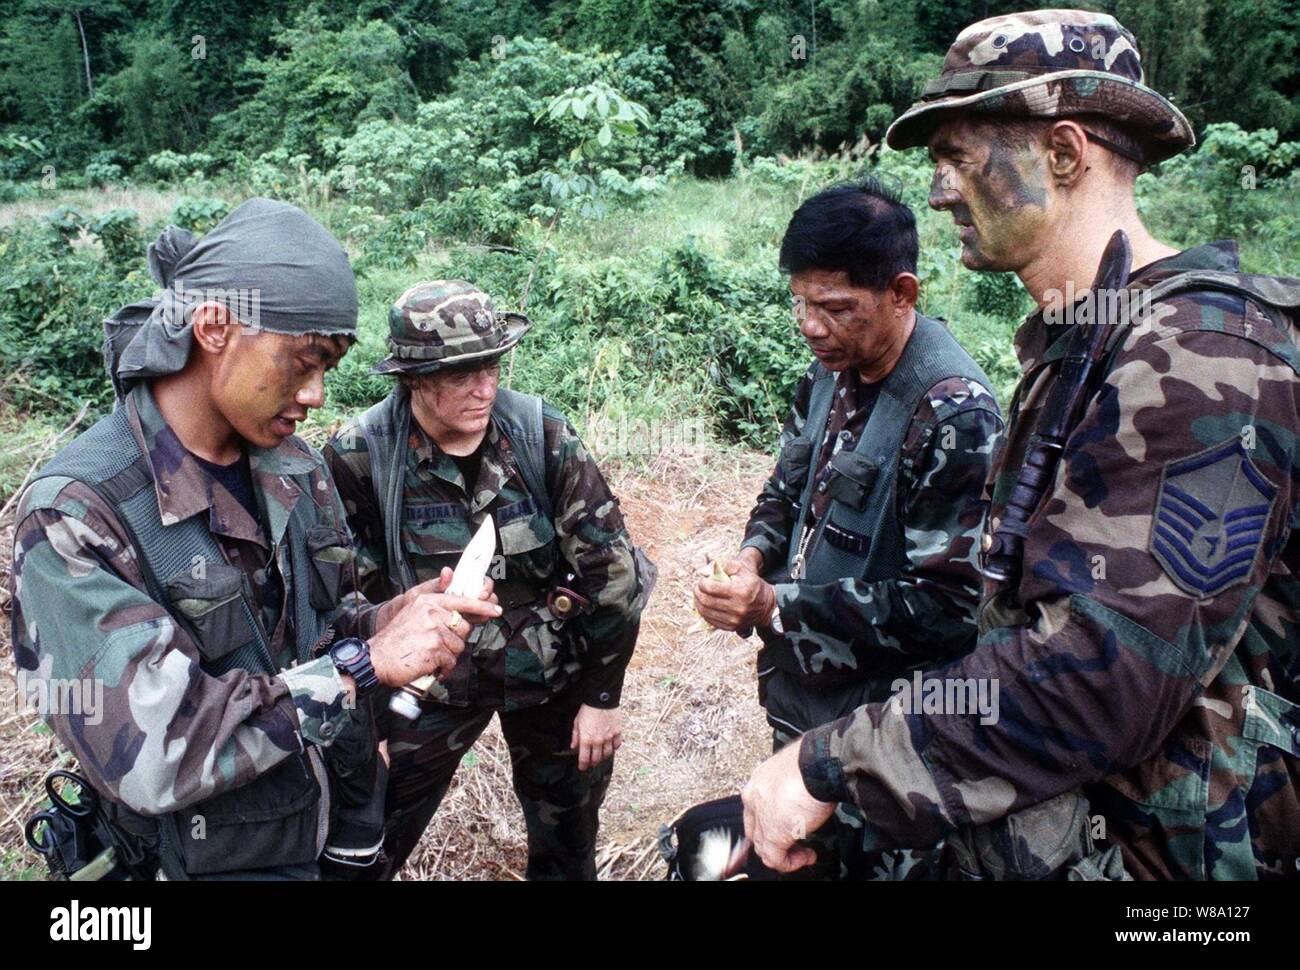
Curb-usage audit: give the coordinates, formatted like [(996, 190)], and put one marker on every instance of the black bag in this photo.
[(679, 844)]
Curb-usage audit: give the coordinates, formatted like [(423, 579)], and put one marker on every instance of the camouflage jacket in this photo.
[(1148, 654), (928, 611), (529, 653), (165, 733)]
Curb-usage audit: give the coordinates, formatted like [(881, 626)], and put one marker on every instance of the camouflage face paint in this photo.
[(267, 382), (844, 325), (996, 189), (457, 403)]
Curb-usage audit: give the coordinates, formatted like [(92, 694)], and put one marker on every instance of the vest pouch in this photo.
[(214, 607), (330, 550), (852, 478), (272, 822), (854, 543), (793, 464), (1049, 841)]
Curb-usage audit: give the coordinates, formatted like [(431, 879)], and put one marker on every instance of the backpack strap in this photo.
[(1278, 297), (520, 416), (386, 427)]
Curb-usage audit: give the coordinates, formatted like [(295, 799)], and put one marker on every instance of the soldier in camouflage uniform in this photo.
[(189, 556), (418, 473), (858, 562), (1147, 654)]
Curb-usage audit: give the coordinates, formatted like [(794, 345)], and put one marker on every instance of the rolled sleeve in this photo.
[(320, 699)]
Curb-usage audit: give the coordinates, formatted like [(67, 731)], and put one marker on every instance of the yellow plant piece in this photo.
[(719, 574)]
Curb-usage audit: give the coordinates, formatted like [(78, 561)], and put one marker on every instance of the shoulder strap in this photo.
[(520, 416), (386, 427), (1278, 291), (932, 355), (1275, 295), (814, 428), (819, 404)]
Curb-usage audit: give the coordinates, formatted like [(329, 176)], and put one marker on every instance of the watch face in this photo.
[(346, 652)]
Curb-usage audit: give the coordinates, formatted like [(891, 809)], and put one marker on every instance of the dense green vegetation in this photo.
[(111, 82), (622, 168)]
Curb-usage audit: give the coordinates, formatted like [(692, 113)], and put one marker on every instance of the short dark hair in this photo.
[(862, 228)]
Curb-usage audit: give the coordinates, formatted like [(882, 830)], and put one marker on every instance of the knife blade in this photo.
[(466, 580)]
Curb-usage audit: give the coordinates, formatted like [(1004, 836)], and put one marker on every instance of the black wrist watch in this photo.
[(351, 656)]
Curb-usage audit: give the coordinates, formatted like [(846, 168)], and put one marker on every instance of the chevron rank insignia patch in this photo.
[(1210, 518)]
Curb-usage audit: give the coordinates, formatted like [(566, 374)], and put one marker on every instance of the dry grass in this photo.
[(153, 204), (692, 727)]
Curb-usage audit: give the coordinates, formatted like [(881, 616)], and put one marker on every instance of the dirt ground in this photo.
[(692, 726)]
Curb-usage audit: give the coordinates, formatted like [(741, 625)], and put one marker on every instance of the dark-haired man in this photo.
[(1142, 610), (188, 559), (858, 562)]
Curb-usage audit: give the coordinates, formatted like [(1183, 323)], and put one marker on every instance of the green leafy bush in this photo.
[(51, 304), (19, 154), (398, 240), (169, 166), (103, 173), (320, 84), (1220, 190), (199, 215), (65, 223), (153, 101), (279, 175), (397, 166), (119, 233), (997, 294)]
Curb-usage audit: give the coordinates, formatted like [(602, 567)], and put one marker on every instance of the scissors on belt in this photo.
[(55, 830)]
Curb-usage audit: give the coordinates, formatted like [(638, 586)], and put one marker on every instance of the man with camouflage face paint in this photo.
[(418, 473), (1147, 644), (189, 555)]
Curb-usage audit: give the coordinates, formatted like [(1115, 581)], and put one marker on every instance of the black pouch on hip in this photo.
[(358, 782)]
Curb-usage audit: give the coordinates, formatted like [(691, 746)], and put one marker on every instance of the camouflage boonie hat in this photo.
[(1047, 64), (443, 323)]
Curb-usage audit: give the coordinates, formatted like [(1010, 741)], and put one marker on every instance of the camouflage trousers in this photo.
[(561, 804), (793, 709)]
